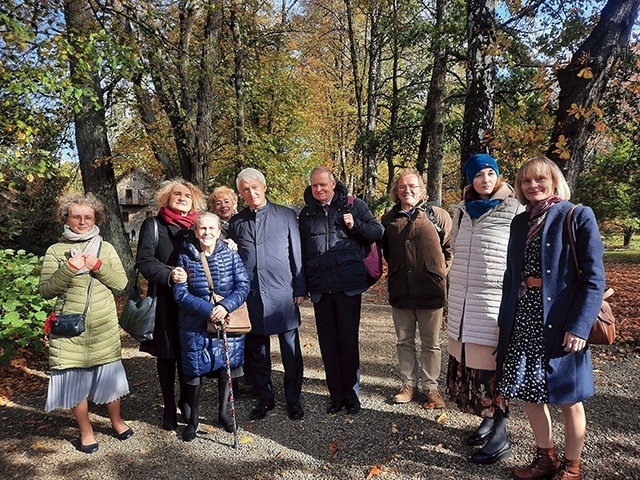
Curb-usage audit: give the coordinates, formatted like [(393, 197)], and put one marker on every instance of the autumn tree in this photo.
[(479, 108), (91, 134), (582, 83)]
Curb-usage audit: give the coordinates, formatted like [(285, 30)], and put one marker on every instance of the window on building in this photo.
[(125, 216), (141, 200), (128, 196)]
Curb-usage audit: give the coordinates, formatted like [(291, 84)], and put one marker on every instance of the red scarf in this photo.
[(182, 221), (538, 215)]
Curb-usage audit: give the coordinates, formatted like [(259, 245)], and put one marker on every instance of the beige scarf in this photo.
[(92, 247)]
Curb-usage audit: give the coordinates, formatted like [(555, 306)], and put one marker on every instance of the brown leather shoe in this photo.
[(545, 465), (434, 400), (569, 470), (406, 394)]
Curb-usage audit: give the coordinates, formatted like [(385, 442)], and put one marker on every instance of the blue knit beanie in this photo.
[(477, 162)]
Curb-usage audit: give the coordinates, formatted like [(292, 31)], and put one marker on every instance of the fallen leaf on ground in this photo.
[(38, 446), (279, 455), (375, 471), (442, 418), (246, 439), (333, 447), (208, 428)]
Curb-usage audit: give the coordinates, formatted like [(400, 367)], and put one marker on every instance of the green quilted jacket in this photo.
[(99, 344)]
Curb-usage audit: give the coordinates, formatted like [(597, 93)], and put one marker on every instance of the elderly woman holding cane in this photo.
[(203, 352), (547, 311), (82, 271), (161, 240)]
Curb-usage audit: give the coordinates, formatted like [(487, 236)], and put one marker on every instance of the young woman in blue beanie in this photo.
[(480, 236)]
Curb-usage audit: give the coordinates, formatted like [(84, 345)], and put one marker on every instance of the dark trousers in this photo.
[(338, 322), (167, 377), (258, 355)]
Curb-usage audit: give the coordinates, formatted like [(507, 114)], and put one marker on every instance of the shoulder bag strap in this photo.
[(572, 241), (207, 272)]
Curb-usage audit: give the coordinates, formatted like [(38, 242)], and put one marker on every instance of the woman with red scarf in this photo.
[(161, 240), (547, 311)]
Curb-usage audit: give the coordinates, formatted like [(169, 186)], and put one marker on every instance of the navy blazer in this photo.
[(569, 305), (269, 245)]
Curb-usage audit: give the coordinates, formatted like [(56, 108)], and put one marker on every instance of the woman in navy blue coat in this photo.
[(203, 352), (546, 315)]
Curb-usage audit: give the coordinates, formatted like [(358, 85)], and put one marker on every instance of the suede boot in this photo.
[(193, 398), (545, 465), (569, 470), (498, 446), (224, 417)]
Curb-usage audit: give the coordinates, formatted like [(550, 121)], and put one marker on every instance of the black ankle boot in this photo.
[(482, 433), (498, 446), (225, 420)]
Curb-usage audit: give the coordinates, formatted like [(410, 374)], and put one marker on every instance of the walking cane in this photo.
[(231, 398)]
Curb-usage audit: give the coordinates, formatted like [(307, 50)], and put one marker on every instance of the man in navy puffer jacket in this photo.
[(334, 233)]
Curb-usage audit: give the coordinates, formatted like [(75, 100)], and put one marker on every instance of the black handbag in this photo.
[(138, 316), (70, 324)]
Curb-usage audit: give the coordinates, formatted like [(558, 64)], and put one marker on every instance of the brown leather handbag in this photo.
[(603, 331), (237, 322)]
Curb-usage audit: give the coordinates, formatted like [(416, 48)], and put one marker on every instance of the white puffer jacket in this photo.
[(479, 261)]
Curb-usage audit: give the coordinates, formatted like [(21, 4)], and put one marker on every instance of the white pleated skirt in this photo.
[(101, 384)]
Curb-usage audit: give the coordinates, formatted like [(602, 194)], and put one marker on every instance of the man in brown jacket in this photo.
[(416, 248)]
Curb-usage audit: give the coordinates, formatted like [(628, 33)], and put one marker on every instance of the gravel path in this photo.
[(403, 441)]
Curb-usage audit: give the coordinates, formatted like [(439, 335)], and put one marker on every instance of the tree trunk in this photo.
[(432, 135), (478, 122), (583, 82), (395, 103), (238, 83), (150, 123), (628, 235), (92, 142), (206, 97), (370, 142)]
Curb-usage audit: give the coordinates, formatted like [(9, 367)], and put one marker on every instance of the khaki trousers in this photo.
[(429, 322)]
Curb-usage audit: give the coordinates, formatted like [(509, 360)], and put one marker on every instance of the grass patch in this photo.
[(622, 256)]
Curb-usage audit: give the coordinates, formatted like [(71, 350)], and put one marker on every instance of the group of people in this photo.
[(518, 316)]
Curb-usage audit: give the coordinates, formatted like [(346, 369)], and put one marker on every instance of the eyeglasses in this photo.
[(408, 187), (86, 218)]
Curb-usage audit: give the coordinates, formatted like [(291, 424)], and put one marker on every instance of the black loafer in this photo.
[(295, 411), (352, 406), (334, 407), (128, 433), (261, 409), (91, 448), (489, 458)]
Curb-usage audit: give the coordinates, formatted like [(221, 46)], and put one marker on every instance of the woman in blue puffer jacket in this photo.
[(203, 352)]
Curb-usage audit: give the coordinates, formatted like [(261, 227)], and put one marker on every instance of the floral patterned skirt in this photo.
[(474, 390)]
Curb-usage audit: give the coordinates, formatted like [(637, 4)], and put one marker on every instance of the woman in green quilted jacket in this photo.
[(87, 365)]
